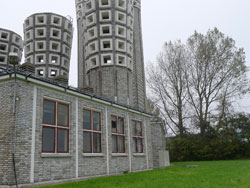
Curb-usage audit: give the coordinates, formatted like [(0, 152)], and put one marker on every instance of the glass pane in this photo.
[(114, 144), (86, 119), (134, 128), (140, 145), (49, 112), (120, 125), (62, 140), (139, 129), (134, 145), (87, 142), (96, 121), (63, 113), (97, 142), (113, 123), (121, 144), (48, 139)]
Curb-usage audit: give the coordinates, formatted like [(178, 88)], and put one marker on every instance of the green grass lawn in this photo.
[(221, 174)]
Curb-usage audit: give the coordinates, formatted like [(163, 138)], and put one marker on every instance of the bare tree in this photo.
[(216, 73), (167, 83)]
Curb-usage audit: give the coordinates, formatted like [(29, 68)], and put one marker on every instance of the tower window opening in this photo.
[(15, 50), (69, 26), (56, 20), (92, 47), (53, 73), (121, 60), (106, 44), (105, 15), (2, 59), (54, 59), (40, 59), (121, 3), (27, 23), (40, 45), (40, 32), (40, 72), (28, 35), (55, 33), (91, 32), (17, 39), (66, 50), (54, 46), (3, 47), (66, 63), (90, 19), (121, 45), (106, 30), (4, 35), (107, 59), (40, 19), (93, 61), (121, 17), (28, 48), (121, 31), (68, 38), (89, 5), (105, 2)]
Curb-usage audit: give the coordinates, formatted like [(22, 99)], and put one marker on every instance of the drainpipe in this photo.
[(14, 60)]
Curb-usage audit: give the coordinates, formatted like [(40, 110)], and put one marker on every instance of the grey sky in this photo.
[(163, 20)]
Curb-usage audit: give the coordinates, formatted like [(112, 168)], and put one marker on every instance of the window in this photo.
[(3, 47), (137, 136), (106, 44), (107, 59), (53, 73), (104, 2), (55, 138), (40, 72), (89, 5), (40, 19), (91, 131), (105, 30), (2, 59), (105, 15), (40, 59), (121, 60), (4, 35), (118, 134)]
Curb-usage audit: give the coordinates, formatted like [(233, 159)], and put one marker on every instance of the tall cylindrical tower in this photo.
[(48, 41), (9, 42), (106, 32)]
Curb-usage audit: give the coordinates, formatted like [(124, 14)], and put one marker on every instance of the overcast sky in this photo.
[(162, 20)]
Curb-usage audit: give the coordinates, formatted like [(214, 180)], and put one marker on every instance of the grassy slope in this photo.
[(219, 174)]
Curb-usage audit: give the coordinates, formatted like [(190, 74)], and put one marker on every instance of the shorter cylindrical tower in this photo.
[(9, 42), (47, 42)]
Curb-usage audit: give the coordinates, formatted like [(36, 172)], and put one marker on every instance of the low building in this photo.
[(51, 131)]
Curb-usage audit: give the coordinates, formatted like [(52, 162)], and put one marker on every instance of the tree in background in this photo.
[(216, 73), (198, 80), (167, 82)]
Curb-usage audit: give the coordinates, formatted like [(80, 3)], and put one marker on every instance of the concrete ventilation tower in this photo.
[(106, 33), (48, 41), (9, 42), (139, 86)]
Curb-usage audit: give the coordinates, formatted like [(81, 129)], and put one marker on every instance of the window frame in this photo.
[(92, 131), (138, 137), (117, 134), (56, 126)]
